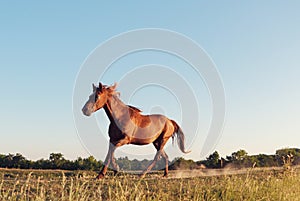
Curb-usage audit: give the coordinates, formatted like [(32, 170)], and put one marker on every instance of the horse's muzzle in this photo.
[(86, 112)]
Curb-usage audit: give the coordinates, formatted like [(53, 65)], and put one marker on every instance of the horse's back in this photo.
[(148, 133)]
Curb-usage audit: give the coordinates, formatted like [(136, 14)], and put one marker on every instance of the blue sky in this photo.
[(255, 46)]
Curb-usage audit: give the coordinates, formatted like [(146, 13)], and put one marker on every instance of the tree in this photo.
[(266, 160), (288, 154), (56, 160), (213, 160), (78, 164), (182, 164), (42, 164), (2, 160), (239, 155), (8, 161), (124, 163), (90, 163), (56, 156), (240, 159), (18, 160)]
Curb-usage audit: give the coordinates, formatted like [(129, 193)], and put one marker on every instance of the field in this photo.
[(244, 184)]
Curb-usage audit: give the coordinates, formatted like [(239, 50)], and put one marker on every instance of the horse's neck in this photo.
[(108, 113), (116, 110)]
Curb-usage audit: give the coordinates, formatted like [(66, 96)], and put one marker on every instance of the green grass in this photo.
[(260, 184)]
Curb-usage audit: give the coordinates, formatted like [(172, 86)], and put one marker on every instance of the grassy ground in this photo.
[(252, 184)]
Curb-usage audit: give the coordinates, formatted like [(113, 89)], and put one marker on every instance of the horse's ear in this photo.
[(113, 87), (94, 87), (100, 85)]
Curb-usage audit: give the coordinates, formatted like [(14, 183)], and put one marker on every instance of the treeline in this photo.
[(238, 159), (241, 159), (55, 161)]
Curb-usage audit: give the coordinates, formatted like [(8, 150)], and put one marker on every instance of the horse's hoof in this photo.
[(165, 176), (141, 176), (100, 176)]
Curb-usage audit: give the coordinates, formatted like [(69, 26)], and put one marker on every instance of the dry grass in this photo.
[(252, 184)]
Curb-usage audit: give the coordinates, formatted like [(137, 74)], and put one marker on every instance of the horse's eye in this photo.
[(96, 98)]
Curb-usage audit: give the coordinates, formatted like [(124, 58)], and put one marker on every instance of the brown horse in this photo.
[(129, 126)]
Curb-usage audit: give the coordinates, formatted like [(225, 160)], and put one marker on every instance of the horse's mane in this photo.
[(134, 108), (116, 94), (112, 90)]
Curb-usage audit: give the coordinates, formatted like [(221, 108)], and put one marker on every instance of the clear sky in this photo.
[(255, 46)]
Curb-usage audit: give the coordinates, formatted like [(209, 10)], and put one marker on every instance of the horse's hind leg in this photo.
[(165, 156), (151, 165), (159, 144), (167, 163)]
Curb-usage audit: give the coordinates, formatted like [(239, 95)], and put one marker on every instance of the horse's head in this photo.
[(97, 99)]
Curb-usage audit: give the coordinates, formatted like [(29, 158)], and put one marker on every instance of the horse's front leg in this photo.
[(110, 157), (114, 164), (116, 144), (107, 161)]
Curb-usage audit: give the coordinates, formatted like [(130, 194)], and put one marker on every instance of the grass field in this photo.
[(247, 184)]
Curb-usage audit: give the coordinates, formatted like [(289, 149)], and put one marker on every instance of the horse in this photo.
[(129, 126)]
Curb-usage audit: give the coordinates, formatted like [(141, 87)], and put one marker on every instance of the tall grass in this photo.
[(58, 185)]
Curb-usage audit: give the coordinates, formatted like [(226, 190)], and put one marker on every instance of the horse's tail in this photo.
[(180, 137)]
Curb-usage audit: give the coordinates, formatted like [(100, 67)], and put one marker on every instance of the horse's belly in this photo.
[(145, 136), (141, 141)]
